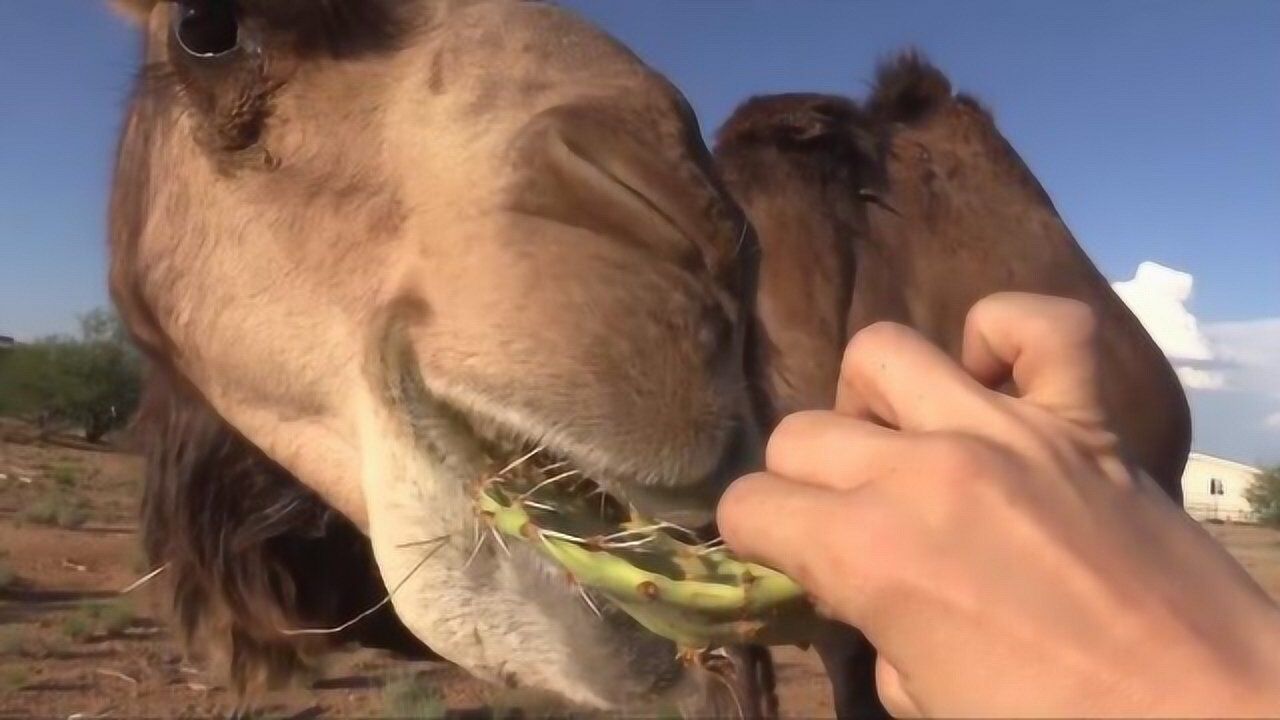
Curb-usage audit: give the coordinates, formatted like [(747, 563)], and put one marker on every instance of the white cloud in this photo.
[(1231, 369), (1249, 353), (1198, 379), (1158, 297)]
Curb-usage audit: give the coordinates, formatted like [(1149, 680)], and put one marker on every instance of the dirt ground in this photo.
[(72, 647)]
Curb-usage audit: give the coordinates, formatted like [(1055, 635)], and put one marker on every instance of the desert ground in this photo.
[(71, 646)]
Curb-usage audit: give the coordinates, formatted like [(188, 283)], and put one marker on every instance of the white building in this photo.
[(1213, 488)]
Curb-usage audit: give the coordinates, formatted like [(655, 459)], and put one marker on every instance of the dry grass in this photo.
[(12, 640), (46, 646), (13, 678), (528, 704)]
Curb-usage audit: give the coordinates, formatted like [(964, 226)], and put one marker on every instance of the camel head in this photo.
[(397, 244)]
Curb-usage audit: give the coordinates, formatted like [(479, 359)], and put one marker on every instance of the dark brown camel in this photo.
[(911, 209)]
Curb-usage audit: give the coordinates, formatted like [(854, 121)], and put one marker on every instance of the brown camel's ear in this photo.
[(816, 126), (908, 89), (796, 163)]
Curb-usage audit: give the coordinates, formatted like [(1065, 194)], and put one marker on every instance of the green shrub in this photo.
[(407, 697), (115, 617), (7, 577), (43, 511), (1264, 497), (58, 508), (72, 515), (92, 381), (66, 476), (78, 627)]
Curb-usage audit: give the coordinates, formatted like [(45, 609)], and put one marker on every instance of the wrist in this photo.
[(1263, 680), (1250, 686)]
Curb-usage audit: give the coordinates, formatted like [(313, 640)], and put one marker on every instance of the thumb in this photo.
[(893, 693)]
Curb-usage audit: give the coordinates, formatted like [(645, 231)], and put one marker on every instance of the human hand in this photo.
[(997, 550)]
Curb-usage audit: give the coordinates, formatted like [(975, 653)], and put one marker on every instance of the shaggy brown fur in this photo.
[(789, 160), (249, 550), (912, 211), (972, 220), (907, 90), (793, 161)]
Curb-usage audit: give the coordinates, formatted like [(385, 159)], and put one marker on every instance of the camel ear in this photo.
[(136, 11), (908, 89)]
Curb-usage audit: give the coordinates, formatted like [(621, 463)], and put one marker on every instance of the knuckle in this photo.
[(788, 435), (1049, 315), (873, 342), (961, 463), (738, 495), (1078, 319), (986, 306), (736, 505)]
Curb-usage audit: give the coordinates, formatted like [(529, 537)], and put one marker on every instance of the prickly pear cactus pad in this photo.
[(693, 593)]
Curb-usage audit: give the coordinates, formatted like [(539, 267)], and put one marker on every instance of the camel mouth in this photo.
[(534, 521), (580, 498)]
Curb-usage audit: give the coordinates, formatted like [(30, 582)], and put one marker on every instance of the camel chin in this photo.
[(497, 608)]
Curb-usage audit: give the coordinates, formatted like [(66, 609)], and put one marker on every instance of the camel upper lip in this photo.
[(688, 506)]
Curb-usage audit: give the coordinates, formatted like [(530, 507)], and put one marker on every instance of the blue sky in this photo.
[(1155, 126)]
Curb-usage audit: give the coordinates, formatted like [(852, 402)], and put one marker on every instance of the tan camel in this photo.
[(396, 245)]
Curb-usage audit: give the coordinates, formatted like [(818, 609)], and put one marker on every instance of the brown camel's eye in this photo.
[(207, 28)]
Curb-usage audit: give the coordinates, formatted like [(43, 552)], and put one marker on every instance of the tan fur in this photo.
[(381, 227)]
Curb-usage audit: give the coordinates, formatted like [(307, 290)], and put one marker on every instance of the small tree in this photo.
[(93, 381), (1264, 496)]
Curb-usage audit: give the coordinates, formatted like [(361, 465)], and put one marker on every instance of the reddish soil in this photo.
[(63, 655), (57, 660)]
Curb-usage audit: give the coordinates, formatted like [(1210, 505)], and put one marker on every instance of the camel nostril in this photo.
[(582, 167)]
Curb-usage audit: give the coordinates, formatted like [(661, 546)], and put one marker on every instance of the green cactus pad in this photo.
[(696, 595)]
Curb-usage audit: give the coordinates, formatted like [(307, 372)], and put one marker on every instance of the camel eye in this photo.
[(207, 28)]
